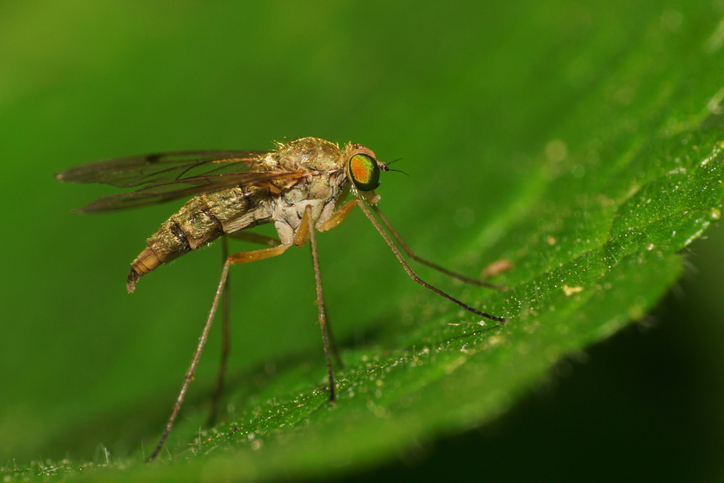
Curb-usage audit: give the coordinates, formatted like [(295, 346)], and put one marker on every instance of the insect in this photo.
[(302, 186)]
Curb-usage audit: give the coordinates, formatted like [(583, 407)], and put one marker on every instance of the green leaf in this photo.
[(582, 143)]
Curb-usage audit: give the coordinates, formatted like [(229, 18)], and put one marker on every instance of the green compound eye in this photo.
[(365, 172)]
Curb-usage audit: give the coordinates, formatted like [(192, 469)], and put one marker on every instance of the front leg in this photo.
[(338, 216), (409, 270), (437, 267)]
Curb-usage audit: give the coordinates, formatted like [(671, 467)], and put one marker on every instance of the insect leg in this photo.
[(409, 270), (338, 216), (225, 341), (332, 342), (428, 263), (306, 230), (252, 237), (242, 257), (334, 220)]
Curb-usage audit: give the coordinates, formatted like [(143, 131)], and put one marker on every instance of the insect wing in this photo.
[(151, 169), (162, 192), (168, 176)]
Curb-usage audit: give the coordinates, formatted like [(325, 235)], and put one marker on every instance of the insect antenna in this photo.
[(398, 171), (385, 166)]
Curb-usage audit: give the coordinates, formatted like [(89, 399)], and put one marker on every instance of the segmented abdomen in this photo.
[(201, 220)]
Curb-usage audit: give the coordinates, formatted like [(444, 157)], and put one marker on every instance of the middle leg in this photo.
[(306, 230)]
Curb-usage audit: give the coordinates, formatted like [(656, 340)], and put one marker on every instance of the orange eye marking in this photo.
[(361, 170), (364, 171)]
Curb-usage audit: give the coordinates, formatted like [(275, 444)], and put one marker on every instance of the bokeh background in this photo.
[(444, 86)]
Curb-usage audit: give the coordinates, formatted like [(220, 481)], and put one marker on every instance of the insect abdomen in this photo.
[(200, 221)]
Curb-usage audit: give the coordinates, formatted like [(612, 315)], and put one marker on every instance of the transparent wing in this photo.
[(170, 176), (150, 169)]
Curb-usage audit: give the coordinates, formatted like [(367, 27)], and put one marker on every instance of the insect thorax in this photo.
[(321, 192)]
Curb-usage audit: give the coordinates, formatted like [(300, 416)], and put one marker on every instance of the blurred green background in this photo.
[(444, 86)]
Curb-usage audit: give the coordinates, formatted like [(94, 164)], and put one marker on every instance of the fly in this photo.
[(301, 187)]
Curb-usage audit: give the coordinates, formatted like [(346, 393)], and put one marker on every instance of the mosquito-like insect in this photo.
[(302, 186)]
